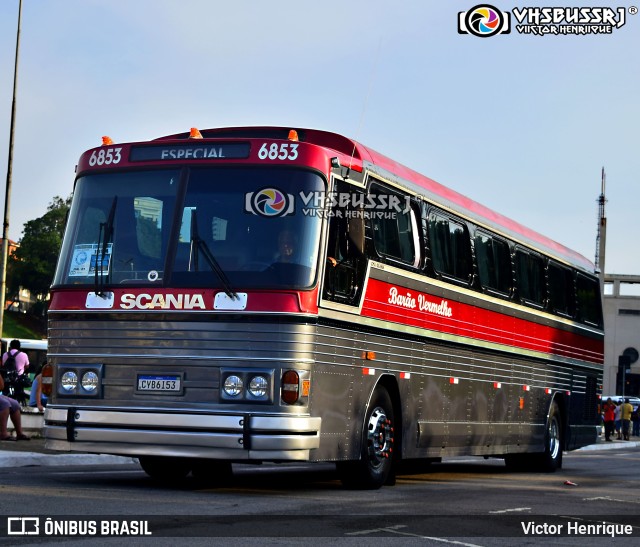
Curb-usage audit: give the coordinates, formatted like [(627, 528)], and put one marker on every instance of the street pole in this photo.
[(7, 194)]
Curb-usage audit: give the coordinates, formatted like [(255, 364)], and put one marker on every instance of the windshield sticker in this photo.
[(85, 257)]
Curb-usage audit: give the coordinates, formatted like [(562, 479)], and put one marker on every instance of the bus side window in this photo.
[(589, 304), (494, 263), (450, 247), (530, 278)]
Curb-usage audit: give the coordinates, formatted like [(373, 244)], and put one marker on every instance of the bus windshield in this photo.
[(200, 227)]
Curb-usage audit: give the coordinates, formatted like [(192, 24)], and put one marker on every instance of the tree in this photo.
[(33, 264)]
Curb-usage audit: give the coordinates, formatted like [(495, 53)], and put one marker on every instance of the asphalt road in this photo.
[(460, 501)]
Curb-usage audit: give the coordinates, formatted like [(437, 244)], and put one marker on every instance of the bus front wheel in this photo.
[(376, 455)]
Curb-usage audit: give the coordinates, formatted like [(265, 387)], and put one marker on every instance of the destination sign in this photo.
[(190, 151)]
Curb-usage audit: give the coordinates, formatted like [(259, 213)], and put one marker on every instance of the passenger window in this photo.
[(561, 290), (450, 246), (589, 303), (530, 277), (494, 263), (395, 233)]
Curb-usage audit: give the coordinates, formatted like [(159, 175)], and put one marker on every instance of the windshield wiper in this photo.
[(197, 245), (105, 236)]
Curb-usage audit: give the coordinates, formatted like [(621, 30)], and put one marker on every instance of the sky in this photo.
[(521, 123)]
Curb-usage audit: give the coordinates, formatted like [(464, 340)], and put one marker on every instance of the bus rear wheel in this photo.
[(376, 455), (551, 459), (165, 468)]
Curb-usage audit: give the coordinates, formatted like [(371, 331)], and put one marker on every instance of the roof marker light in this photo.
[(195, 133), (293, 135), (106, 141)]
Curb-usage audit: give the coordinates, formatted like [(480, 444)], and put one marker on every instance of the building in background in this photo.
[(22, 300), (622, 335)]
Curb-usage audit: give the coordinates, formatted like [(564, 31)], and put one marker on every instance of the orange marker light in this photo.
[(293, 135), (106, 141), (195, 133)]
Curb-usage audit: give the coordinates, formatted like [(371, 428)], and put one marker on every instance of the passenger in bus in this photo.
[(287, 247), (10, 407)]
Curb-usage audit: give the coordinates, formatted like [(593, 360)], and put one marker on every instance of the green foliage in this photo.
[(33, 264), (20, 325)]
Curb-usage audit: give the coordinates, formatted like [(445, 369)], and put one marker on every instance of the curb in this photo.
[(29, 459), (603, 445)]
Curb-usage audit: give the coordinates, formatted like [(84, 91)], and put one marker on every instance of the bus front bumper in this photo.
[(236, 437)]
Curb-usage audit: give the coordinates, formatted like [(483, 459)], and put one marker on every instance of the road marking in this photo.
[(608, 498), (514, 510), (395, 530)]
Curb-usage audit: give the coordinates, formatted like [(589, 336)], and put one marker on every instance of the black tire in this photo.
[(212, 472), (164, 468), (548, 461), (374, 468), (551, 459)]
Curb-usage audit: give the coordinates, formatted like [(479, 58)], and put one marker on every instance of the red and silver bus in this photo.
[(265, 294)]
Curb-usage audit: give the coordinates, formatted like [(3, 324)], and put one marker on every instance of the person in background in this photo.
[(37, 398), (22, 360), (618, 422), (608, 410), (10, 407), (626, 409), (635, 417)]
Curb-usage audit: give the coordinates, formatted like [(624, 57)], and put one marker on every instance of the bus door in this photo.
[(346, 261)]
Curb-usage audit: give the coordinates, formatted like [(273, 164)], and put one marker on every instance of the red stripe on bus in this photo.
[(413, 308)]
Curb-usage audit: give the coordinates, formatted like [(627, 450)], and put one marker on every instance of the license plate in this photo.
[(159, 384)]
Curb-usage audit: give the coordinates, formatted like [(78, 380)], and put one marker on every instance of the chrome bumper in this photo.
[(231, 437)]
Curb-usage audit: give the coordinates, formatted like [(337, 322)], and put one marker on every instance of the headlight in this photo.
[(233, 386), (258, 386), (90, 381), (77, 380), (69, 381)]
